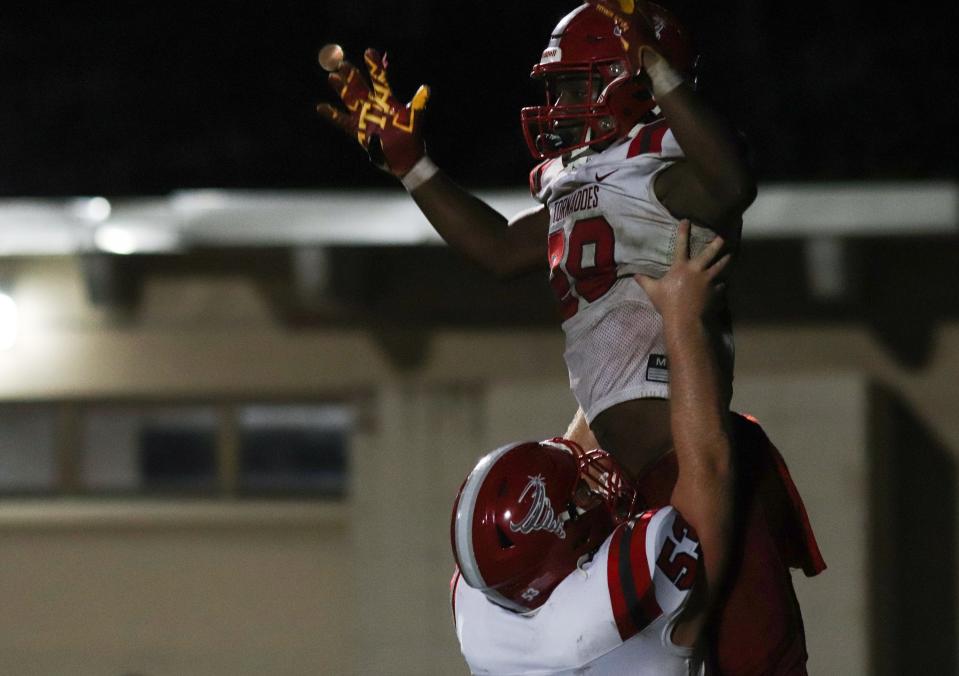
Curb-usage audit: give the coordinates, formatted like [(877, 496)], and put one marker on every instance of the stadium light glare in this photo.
[(95, 209), (115, 240)]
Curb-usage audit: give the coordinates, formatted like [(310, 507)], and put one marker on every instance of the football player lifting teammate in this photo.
[(560, 570), (558, 574)]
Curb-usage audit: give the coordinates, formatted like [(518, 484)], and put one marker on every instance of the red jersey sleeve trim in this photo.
[(631, 591), (649, 139), (536, 178)]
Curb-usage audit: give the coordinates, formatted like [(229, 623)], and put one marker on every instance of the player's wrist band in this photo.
[(663, 77), (421, 172)]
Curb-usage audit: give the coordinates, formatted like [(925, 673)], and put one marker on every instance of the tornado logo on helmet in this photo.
[(541, 515)]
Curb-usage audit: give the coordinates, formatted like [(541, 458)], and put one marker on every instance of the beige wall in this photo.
[(362, 588), (200, 590), (820, 422)]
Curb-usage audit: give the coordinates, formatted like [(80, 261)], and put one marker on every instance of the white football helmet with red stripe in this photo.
[(528, 512)]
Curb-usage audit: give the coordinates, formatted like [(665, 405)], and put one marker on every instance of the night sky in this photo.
[(145, 98)]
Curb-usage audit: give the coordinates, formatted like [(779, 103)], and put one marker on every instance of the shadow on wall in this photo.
[(913, 592)]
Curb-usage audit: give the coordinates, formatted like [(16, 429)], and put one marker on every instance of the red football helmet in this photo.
[(601, 47), (528, 512)]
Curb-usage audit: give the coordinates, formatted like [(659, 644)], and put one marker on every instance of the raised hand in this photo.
[(657, 47), (634, 19), (691, 288), (388, 130)]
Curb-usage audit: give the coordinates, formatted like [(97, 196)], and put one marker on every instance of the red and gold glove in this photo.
[(388, 130)]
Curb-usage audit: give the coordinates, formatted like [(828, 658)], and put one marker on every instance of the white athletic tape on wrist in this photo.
[(664, 78), (421, 172)]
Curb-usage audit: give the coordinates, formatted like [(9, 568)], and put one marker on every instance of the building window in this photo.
[(149, 448), (28, 448), (201, 448), (294, 449)]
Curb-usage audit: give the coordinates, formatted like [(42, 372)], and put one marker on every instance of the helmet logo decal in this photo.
[(541, 515), (551, 55)]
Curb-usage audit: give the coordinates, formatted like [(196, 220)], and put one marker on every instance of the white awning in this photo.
[(232, 218)]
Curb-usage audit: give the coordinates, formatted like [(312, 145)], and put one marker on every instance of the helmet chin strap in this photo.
[(571, 514), (546, 142)]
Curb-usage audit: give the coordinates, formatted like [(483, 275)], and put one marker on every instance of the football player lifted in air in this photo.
[(556, 575), (627, 148)]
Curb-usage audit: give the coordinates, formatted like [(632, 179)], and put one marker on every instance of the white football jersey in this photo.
[(606, 224), (614, 615)]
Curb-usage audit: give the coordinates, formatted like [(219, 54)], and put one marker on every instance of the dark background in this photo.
[(144, 98)]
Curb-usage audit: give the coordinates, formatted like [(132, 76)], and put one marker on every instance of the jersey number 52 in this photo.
[(583, 266), (679, 567)]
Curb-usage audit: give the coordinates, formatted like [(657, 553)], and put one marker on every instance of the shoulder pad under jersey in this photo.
[(654, 138), (541, 176)]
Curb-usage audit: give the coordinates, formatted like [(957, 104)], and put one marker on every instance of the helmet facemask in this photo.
[(569, 121), (604, 480)]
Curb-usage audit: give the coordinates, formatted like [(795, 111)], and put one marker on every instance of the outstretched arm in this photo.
[(479, 232), (687, 297), (714, 184), (392, 134)]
